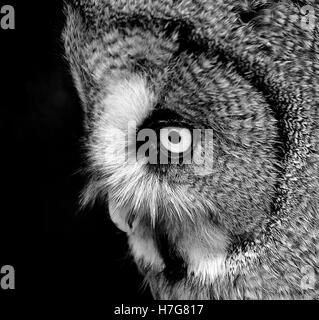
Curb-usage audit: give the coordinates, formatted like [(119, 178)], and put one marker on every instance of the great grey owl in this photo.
[(202, 139)]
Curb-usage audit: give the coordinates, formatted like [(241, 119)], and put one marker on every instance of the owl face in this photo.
[(201, 138), (184, 157), (181, 148)]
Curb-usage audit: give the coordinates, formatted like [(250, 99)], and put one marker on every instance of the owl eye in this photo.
[(176, 140)]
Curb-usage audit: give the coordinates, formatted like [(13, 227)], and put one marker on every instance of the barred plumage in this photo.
[(247, 70)]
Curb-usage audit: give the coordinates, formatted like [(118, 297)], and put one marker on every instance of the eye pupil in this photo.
[(176, 140), (174, 137)]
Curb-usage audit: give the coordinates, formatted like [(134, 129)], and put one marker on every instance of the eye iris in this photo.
[(176, 140)]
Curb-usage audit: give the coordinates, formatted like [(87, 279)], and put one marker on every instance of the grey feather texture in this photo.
[(248, 71)]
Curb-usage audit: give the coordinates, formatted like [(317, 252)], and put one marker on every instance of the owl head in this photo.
[(185, 134)]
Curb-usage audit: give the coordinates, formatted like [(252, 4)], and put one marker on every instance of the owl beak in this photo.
[(120, 217)]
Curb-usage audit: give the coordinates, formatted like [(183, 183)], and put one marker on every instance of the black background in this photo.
[(54, 248)]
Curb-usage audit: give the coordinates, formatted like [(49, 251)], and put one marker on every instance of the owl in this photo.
[(202, 139)]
